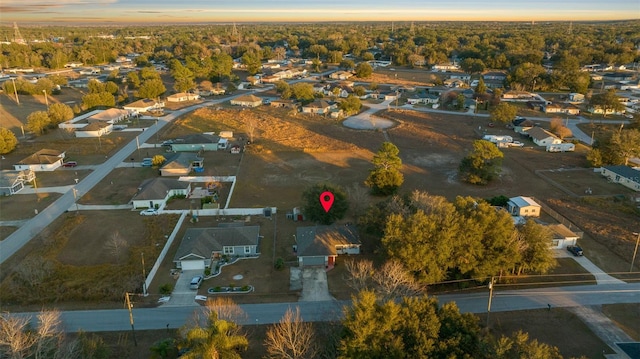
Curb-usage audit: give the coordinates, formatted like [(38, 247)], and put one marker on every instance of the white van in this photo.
[(195, 282)]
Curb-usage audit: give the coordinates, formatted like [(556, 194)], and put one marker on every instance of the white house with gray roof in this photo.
[(623, 175), (523, 206), (202, 246), (155, 192)]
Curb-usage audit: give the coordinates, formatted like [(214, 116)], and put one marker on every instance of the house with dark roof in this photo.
[(12, 182), (200, 247), (623, 175), (321, 245), (181, 164), (319, 107), (155, 192), (43, 160)]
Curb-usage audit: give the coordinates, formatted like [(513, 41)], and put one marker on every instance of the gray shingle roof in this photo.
[(157, 188), (626, 172), (202, 242), (322, 240)]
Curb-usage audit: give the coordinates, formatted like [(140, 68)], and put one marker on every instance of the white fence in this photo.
[(167, 245)]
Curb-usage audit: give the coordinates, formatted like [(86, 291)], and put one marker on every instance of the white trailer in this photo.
[(561, 147), (497, 138)]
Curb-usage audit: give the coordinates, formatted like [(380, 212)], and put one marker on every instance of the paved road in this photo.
[(512, 300), (35, 225)]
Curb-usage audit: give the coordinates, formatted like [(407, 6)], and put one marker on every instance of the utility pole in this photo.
[(130, 306), (490, 297), (15, 92), (635, 251), (144, 277), (46, 99)]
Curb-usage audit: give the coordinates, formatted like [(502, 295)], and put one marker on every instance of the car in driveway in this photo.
[(149, 212), (516, 144), (70, 164), (196, 282), (575, 250)]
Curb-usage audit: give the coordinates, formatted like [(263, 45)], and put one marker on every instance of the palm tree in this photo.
[(218, 340)]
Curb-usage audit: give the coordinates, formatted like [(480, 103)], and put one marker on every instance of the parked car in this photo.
[(149, 212), (575, 250), (516, 144), (196, 282), (146, 162), (70, 164)]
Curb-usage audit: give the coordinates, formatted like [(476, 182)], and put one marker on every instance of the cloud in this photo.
[(9, 6)]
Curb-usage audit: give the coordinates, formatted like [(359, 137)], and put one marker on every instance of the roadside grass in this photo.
[(5, 231), (626, 316), (558, 327), (23, 206), (65, 266)]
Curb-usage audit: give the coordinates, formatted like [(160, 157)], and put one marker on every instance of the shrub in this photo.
[(166, 289), (207, 271), (244, 288), (279, 265)]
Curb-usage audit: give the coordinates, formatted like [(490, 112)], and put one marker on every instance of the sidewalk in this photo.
[(602, 326)]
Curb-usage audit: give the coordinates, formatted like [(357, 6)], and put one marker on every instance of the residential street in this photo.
[(35, 225), (512, 300)]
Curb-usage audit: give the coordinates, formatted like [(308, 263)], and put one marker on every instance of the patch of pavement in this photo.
[(182, 296), (315, 287)]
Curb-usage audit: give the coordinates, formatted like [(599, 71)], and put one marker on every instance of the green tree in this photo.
[(385, 178), (518, 345), (485, 245), (460, 101), (8, 141), (504, 112), (92, 100), (218, 339), (133, 79), (149, 73), (252, 62), (37, 122), (347, 64), (222, 65), (152, 88), (59, 112), (283, 88), (364, 70), (536, 255), (183, 77), (607, 101), (422, 241), (481, 88), (483, 164), (313, 208), (351, 105), (626, 144), (471, 65), (318, 50), (303, 92)]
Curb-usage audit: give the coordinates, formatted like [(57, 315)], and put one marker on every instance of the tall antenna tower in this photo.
[(17, 37), (235, 35), (570, 27), (391, 26), (412, 29)]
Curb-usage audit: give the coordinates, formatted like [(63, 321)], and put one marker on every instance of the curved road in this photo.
[(510, 300)]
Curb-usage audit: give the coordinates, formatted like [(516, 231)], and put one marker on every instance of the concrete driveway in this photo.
[(182, 296), (314, 283)]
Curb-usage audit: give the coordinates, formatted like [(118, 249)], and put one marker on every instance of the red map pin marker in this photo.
[(326, 200)]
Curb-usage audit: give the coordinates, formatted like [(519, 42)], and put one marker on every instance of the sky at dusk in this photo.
[(143, 11)]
